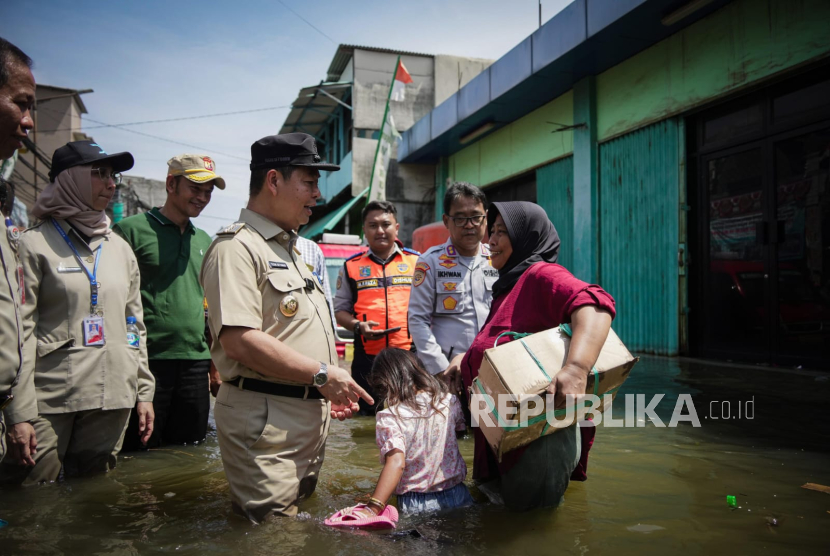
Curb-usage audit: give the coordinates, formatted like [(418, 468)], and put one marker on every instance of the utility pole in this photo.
[(540, 13)]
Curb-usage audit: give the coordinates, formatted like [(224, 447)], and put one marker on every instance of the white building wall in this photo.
[(373, 74)]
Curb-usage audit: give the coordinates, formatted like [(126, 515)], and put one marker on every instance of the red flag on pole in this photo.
[(402, 77)]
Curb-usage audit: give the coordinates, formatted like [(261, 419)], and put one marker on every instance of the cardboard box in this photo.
[(515, 374)]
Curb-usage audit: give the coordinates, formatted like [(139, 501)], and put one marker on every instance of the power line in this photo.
[(104, 124), (171, 119), (215, 217), (307, 22)]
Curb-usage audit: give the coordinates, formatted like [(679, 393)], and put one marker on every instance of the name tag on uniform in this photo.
[(94, 331), (67, 269), (278, 265)]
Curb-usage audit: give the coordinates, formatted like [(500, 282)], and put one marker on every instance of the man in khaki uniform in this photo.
[(17, 96), (273, 339)]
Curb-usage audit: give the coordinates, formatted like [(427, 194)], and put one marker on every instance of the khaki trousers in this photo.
[(272, 449), (82, 442)]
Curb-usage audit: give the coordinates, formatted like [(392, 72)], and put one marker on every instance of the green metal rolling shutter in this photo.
[(554, 193), (639, 204)]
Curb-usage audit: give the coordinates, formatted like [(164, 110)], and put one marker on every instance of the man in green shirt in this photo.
[(169, 250)]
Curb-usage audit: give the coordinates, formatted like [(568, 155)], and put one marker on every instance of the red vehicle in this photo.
[(429, 235), (337, 248)]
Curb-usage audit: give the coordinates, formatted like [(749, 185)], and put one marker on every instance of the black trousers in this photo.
[(181, 404), (361, 367)]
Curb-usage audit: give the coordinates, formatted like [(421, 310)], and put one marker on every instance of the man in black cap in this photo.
[(273, 339)]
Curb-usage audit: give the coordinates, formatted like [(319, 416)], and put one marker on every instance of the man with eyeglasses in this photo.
[(170, 250), (453, 284)]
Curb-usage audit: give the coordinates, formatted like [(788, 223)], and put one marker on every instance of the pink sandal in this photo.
[(347, 517)]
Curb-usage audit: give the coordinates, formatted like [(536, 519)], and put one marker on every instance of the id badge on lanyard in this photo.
[(94, 323)]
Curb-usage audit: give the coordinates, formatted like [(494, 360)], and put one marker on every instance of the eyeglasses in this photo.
[(462, 221), (105, 174)]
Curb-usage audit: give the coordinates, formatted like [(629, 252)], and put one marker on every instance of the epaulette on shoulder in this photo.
[(356, 255), (231, 230), (411, 251)]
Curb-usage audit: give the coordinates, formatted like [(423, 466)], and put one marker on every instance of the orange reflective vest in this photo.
[(381, 293)]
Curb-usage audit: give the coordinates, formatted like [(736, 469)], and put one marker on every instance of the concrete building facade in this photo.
[(682, 150), (57, 121), (344, 114)]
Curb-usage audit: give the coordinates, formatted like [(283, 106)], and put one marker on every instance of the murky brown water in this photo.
[(651, 490)]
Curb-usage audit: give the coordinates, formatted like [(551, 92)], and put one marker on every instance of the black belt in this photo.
[(274, 389)]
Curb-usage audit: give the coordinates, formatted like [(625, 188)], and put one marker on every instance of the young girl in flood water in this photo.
[(416, 437)]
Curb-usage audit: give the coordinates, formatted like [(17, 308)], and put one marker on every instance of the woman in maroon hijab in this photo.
[(532, 294)]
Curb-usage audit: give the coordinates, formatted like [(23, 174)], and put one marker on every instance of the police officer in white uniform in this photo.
[(453, 282)]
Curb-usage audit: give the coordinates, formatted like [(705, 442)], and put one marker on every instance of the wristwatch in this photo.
[(357, 329), (322, 375)]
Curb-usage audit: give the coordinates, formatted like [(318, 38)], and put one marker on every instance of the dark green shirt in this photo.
[(173, 300)]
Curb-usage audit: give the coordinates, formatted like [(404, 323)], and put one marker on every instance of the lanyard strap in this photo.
[(93, 283)]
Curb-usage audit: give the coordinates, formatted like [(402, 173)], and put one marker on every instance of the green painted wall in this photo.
[(586, 177), (441, 175), (744, 42), (517, 147), (639, 234), (554, 193)]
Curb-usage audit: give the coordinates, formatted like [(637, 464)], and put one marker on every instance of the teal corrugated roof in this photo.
[(328, 222)]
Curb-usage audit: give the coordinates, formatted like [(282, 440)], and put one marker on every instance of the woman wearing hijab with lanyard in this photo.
[(81, 288), (532, 294)]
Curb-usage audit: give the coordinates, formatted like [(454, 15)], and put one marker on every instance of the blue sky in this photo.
[(150, 60)]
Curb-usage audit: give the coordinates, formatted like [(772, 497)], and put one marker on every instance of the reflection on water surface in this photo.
[(651, 490)]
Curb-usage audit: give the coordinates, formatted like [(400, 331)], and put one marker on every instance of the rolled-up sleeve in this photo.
[(563, 293)]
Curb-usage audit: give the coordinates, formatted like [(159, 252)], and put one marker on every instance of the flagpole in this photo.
[(382, 125)]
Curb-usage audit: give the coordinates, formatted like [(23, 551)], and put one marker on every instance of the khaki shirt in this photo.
[(66, 375), (11, 327), (254, 277)]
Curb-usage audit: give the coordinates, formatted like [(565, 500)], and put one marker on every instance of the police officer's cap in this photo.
[(289, 149)]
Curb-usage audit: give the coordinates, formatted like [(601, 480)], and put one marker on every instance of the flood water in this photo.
[(650, 490)]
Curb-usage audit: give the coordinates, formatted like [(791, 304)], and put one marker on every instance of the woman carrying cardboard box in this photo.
[(532, 294)]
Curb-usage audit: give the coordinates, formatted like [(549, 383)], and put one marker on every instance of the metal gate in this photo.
[(554, 193), (639, 197)]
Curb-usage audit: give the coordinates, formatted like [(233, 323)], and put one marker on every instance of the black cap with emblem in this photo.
[(289, 149)]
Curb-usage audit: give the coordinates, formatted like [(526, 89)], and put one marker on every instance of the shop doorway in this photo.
[(760, 204)]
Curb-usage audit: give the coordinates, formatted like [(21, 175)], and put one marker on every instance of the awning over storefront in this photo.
[(586, 38), (330, 220), (314, 106)]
